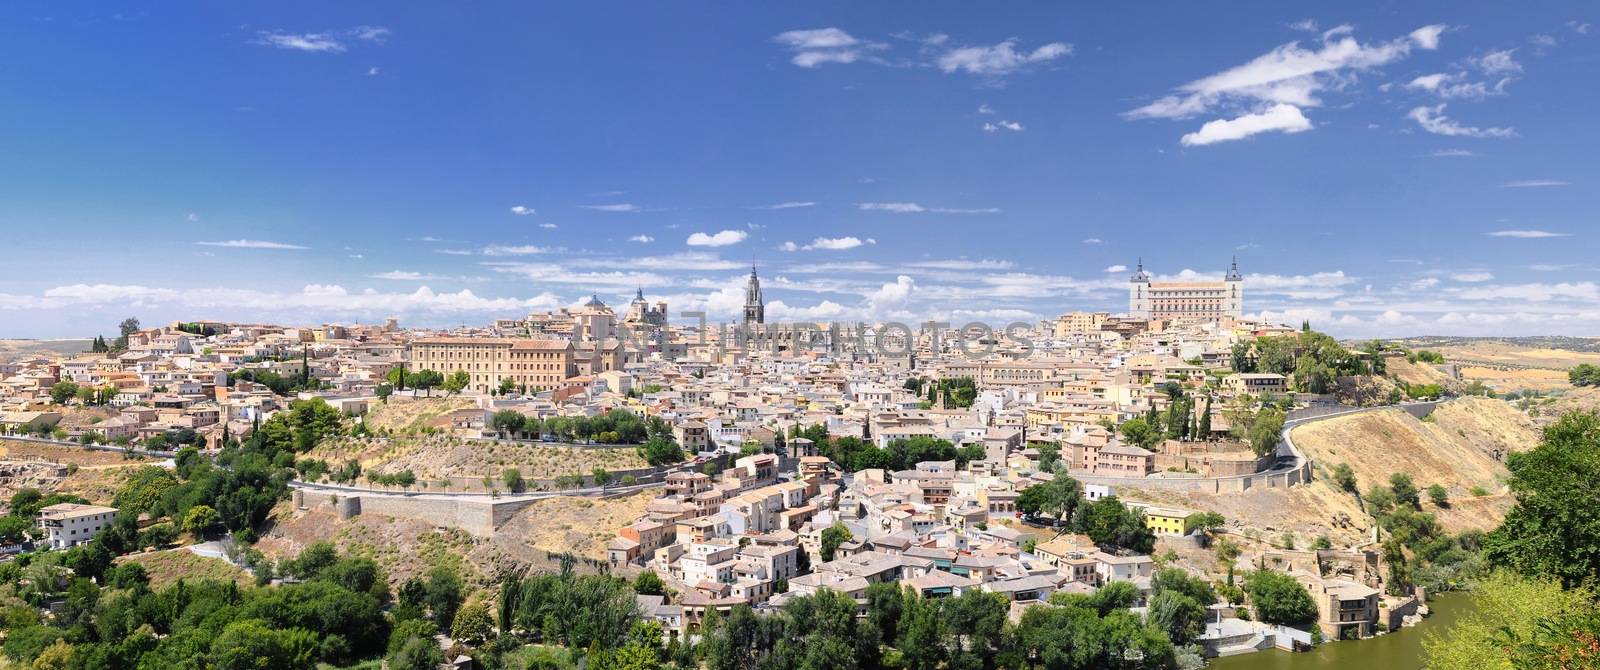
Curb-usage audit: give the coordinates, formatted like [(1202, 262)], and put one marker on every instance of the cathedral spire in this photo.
[(755, 308)]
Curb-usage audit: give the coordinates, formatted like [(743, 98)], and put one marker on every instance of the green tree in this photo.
[(442, 593), (1279, 598), (1345, 477), (1139, 433), (1439, 496), (1585, 374), (1405, 491), (63, 391), (200, 519), (512, 478), (648, 583), (473, 623), (1511, 610), (1266, 430), (832, 537), (457, 381), (1553, 529)]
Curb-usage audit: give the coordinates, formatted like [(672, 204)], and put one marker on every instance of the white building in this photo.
[(1207, 300), (70, 524)]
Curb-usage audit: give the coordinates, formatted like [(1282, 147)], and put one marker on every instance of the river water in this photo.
[(1400, 650)]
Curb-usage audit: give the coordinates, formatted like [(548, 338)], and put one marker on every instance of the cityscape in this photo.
[(834, 335)]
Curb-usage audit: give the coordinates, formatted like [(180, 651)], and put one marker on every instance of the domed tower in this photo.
[(1139, 293), (1233, 291), (755, 309)]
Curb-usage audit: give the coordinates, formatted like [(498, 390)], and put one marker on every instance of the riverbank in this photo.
[(1400, 650)]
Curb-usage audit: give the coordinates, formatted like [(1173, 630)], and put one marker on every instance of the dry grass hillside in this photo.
[(1455, 447), (402, 415), (404, 548), (1462, 445), (1418, 373), (438, 456), (95, 475), (1547, 409)]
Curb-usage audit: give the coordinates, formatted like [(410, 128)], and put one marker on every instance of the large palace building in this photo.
[(1193, 300)]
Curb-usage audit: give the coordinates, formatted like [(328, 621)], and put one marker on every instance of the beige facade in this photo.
[(1189, 300), (1080, 322), (536, 364)]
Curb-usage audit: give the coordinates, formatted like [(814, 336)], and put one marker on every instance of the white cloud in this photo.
[(1093, 240), (513, 250), (642, 239), (1002, 125), (193, 217), (1535, 292), (523, 210), (1284, 118), (789, 246), (1433, 120), (405, 275), (1534, 183), (1304, 25), (914, 208), (1454, 153), (251, 244), (892, 295), (829, 244), (311, 303), (1117, 268), (963, 264), (985, 109), (1497, 62), (1455, 86), (1527, 234), (1423, 284), (312, 42), (547, 225), (820, 46), (1000, 59), (372, 71), (454, 252), (548, 273), (618, 207), (720, 239), (681, 261), (787, 205), (1289, 75), (1472, 276), (331, 41)]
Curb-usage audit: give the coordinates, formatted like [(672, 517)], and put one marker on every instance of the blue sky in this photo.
[(1398, 169)]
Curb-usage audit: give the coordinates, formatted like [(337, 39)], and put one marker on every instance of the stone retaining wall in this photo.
[(478, 517)]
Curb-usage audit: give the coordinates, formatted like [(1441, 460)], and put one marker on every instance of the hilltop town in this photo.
[(1224, 478)]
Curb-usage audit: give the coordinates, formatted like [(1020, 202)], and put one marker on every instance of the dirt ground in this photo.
[(533, 538), (438, 456), (403, 415), (1461, 445), (95, 475)]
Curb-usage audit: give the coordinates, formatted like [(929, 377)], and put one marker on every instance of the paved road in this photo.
[(1286, 448)]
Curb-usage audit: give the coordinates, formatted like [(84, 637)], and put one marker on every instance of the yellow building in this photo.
[(1165, 520)]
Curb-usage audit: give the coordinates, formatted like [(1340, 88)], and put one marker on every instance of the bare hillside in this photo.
[(1462, 445), (436, 457)]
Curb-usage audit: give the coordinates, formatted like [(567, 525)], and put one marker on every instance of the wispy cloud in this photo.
[(914, 208), (328, 41), (1527, 234), (786, 205), (720, 239), (820, 46), (513, 250), (999, 59), (1454, 153), (1093, 240), (1002, 125), (1117, 268), (251, 244), (1534, 183), (523, 210), (1273, 89), (642, 239), (1433, 120), (829, 244), (618, 207)]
